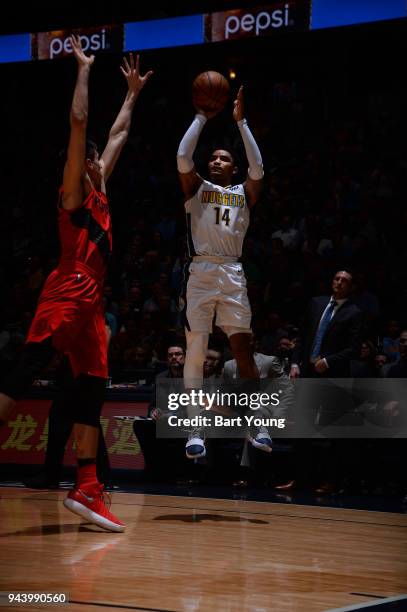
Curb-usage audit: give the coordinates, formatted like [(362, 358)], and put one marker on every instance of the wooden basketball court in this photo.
[(196, 554)]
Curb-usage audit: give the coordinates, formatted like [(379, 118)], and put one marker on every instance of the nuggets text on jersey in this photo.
[(223, 199)]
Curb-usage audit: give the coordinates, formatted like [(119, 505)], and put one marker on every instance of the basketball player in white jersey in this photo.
[(218, 216)]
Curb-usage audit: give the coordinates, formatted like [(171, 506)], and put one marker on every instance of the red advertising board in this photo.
[(24, 439)]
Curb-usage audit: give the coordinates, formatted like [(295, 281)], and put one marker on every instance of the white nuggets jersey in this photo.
[(217, 220)]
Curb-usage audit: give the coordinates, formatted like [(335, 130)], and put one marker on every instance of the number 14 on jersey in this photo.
[(225, 217)]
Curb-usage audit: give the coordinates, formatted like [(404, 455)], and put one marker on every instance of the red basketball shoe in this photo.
[(89, 503)]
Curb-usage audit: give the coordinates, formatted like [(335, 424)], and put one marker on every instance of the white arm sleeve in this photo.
[(253, 154), (188, 144)]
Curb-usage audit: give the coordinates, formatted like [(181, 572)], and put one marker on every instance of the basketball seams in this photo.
[(223, 93)]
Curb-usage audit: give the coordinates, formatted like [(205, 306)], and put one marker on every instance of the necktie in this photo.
[(323, 326)]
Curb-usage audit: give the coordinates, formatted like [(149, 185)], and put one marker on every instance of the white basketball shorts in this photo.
[(217, 289)]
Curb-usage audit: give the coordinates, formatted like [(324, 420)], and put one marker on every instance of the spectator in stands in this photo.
[(391, 340), (213, 363), (137, 364), (380, 360), (268, 366), (111, 320), (135, 299), (284, 352), (175, 360), (399, 368), (364, 366), (159, 460), (289, 236)]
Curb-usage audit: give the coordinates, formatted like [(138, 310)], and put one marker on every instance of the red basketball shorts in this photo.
[(70, 310)]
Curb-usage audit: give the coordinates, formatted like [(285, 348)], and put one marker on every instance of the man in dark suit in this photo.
[(330, 336), (330, 339)]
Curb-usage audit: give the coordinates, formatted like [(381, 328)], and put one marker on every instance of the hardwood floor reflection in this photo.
[(192, 554)]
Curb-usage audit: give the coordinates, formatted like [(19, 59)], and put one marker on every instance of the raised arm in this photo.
[(254, 181), (190, 179), (74, 165), (119, 131)]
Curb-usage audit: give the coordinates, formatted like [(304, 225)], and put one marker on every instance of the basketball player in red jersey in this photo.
[(70, 316)]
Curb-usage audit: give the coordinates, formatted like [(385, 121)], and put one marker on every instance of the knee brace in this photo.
[(197, 345), (88, 393), (35, 357)]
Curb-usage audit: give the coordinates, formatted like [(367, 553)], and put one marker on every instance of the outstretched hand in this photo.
[(82, 59), (132, 74), (238, 105)]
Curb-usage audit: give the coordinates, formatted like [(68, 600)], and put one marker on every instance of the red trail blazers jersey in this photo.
[(86, 234), (70, 307)]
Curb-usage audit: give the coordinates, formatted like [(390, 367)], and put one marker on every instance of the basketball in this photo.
[(210, 91)]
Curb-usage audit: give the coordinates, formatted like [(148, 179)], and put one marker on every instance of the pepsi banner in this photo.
[(235, 24), (50, 45), (257, 21)]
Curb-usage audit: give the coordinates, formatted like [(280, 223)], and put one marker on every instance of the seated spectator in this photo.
[(380, 360), (175, 369), (399, 368), (268, 366), (364, 366), (137, 364), (284, 352), (162, 461), (135, 299), (151, 303), (111, 320), (289, 236), (391, 340), (213, 364), (113, 304)]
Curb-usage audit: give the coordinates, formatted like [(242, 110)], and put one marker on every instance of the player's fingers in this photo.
[(131, 62), (126, 64), (147, 75), (138, 63)]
